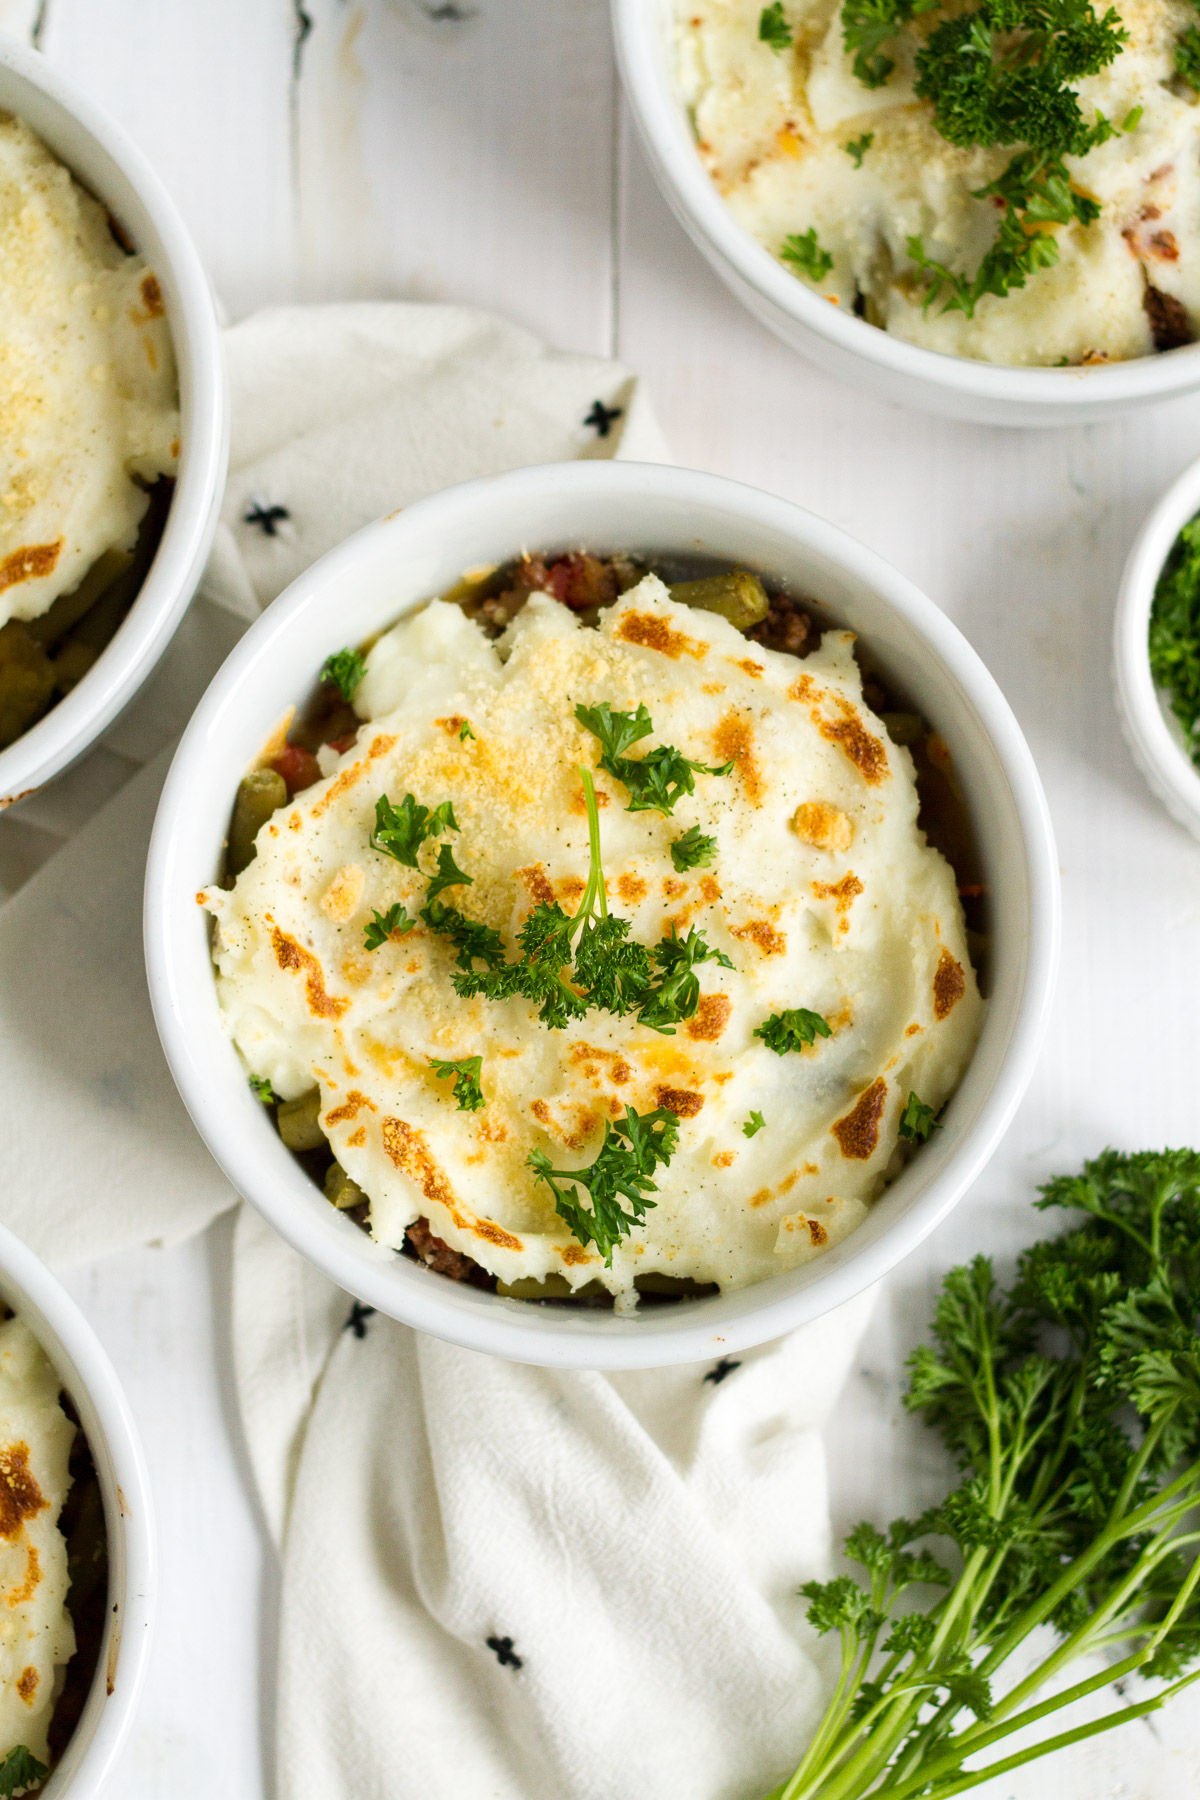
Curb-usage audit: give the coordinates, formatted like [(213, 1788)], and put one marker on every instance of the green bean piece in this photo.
[(68, 609), (259, 794), (904, 728), (299, 1122), (548, 1287), (341, 1190), (672, 1287), (738, 596), (72, 663), (26, 681)]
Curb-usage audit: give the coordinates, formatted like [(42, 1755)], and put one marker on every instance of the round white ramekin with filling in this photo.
[(109, 165), (389, 569), (88, 1378), (847, 346)]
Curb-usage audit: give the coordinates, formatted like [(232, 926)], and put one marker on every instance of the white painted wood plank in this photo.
[(460, 152), (205, 90)]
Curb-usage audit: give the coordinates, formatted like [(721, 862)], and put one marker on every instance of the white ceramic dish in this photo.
[(387, 570), (1151, 732), (105, 161), (88, 1377), (847, 346)]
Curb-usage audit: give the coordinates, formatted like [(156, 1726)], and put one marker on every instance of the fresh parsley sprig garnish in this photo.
[(773, 27), (857, 148), (401, 830), (804, 252), (656, 781), (572, 962), (19, 1771), (344, 670), (1001, 75), (1070, 1402), (447, 875), (465, 732), (918, 1122), (694, 850), (262, 1090), (754, 1124), (623, 1170), (794, 1029), (466, 1071), (394, 923)]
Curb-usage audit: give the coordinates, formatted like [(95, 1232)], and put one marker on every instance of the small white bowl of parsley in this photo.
[(1156, 650)]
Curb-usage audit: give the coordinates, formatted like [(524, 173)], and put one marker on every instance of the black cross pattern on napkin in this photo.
[(602, 418), (357, 1322), (267, 517), (502, 1650), (720, 1370)]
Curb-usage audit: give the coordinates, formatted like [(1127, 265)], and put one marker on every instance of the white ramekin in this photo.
[(837, 341), (1154, 739), (88, 1377), (384, 572), (107, 163)]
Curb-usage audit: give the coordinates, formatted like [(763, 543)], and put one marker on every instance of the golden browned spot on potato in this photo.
[(573, 1253), (672, 887), (27, 1682), (569, 888), (29, 563), (762, 935), (631, 889), (949, 985), (681, 1101), (491, 1131), (851, 736), (352, 776), (20, 1496), (801, 688), (350, 1108), (579, 805), (358, 1138), (710, 1018), (823, 826), (710, 889), (293, 958), (842, 893), (453, 724), (911, 1030), (858, 1133), (176, 447), (713, 687), (810, 1169), (817, 1233), (341, 898), (33, 1575), (723, 1159), (541, 1112), (534, 880), (655, 633), (734, 740), (152, 298), (751, 668), (761, 1198), (408, 1150)]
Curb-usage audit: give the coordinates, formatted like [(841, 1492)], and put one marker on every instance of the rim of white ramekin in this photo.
[(662, 123), (120, 176), (89, 1378), (1153, 737), (235, 717)]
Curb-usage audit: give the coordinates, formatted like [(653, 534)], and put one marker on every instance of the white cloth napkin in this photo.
[(499, 1583)]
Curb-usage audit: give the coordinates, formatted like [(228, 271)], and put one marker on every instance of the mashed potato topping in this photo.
[(774, 128), (88, 391), (36, 1634), (822, 894)]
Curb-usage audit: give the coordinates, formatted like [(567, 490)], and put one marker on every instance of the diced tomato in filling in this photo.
[(298, 767), (342, 744)]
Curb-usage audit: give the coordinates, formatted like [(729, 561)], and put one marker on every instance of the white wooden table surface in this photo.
[(477, 150)]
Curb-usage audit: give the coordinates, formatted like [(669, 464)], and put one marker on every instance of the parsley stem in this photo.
[(595, 889)]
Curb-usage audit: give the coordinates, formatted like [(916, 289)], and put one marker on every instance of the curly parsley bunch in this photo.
[(1071, 1403)]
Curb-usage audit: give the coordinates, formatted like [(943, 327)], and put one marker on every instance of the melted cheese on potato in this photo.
[(88, 392), (773, 128), (36, 1634), (823, 894)]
